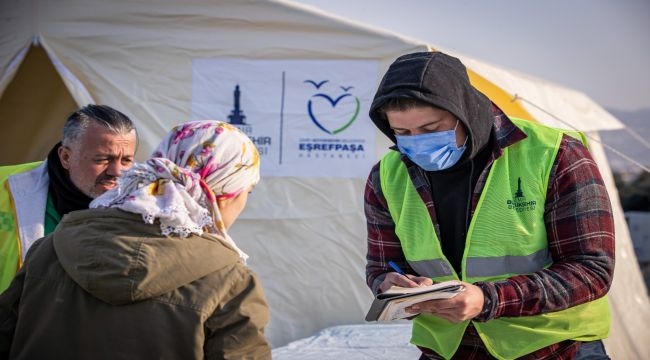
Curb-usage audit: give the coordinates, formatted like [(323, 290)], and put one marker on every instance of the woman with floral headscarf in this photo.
[(149, 271)]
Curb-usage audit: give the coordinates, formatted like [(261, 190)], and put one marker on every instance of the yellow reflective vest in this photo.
[(506, 237), (23, 197)]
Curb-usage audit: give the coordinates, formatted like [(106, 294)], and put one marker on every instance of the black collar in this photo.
[(65, 195)]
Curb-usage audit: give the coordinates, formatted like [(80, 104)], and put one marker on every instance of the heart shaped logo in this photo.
[(333, 115)]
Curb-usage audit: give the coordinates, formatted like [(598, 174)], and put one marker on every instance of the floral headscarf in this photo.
[(196, 164)]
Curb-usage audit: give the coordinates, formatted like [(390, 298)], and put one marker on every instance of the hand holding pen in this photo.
[(396, 268), (400, 278)]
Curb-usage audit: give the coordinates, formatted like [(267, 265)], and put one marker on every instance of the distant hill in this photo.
[(637, 122)]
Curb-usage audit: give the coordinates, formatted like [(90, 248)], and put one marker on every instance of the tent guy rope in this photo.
[(616, 151)]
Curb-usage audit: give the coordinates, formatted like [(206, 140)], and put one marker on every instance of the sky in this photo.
[(598, 47)]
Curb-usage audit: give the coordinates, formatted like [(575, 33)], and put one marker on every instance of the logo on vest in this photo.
[(6, 221), (518, 201)]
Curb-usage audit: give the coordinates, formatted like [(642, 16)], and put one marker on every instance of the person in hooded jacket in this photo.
[(149, 271), (515, 210)]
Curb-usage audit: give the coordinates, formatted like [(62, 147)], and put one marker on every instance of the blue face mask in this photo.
[(433, 151)]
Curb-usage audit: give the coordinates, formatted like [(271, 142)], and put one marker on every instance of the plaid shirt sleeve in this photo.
[(580, 230)]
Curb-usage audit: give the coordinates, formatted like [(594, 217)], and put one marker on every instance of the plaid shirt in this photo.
[(580, 228)]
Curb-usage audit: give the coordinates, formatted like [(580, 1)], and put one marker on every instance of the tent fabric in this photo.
[(548, 103), (18, 113), (305, 236)]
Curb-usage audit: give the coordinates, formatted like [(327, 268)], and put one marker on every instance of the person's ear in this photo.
[(64, 156)]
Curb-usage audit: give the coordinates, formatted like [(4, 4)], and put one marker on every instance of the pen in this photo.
[(396, 268)]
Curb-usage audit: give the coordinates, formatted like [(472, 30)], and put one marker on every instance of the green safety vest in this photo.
[(10, 249), (506, 237)]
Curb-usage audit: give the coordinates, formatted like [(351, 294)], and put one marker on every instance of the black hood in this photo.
[(440, 80)]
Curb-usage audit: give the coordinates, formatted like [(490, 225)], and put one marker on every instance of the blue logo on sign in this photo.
[(329, 127)]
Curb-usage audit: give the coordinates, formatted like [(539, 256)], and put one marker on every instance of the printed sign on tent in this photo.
[(308, 118)]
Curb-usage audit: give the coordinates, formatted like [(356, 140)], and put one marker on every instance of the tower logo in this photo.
[(519, 202)]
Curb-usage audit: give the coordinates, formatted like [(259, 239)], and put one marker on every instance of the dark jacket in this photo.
[(105, 285)]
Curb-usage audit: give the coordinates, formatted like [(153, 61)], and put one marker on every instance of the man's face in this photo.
[(97, 158)]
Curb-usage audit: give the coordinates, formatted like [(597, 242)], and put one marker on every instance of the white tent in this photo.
[(166, 62)]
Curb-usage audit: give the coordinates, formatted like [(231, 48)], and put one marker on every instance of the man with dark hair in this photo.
[(516, 210), (98, 143)]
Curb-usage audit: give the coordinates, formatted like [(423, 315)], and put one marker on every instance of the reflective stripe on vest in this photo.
[(514, 193), (10, 251)]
